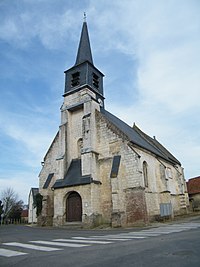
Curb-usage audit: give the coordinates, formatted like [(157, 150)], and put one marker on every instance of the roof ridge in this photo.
[(137, 137), (156, 143), (148, 138), (197, 177)]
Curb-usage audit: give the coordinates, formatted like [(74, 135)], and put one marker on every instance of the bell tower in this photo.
[(83, 95), (84, 74)]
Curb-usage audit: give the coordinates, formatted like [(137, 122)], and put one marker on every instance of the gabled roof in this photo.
[(158, 145), (84, 50), (193, 185), (35, 191), (139, 138), (73, 176)]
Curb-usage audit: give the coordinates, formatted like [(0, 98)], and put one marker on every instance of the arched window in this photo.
[(145, 173)]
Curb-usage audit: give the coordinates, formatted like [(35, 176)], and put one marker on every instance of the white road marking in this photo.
[(41, 248), (161, 232), (59, 244), (109, 238), (184, 227), (113, 237), (10, 253), (191, 224), (88, 238), (117, 239), (82, 241), (145, 234), (87, 241), (131, 236), (163, 229)]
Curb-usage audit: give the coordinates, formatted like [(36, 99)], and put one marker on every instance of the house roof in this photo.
[(35, 191), (193, 185), (24, 213), (139, 138)]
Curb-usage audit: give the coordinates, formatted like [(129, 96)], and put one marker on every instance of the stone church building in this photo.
[(99, 170)]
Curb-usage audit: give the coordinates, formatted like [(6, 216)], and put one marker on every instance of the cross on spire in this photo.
[(84, 17)]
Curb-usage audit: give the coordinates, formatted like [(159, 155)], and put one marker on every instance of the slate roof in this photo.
[(139, 138), (73, 176), (84, 49), (48, 180), (35, 191), (193, 185)]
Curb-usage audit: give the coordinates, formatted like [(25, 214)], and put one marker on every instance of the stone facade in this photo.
[(98, 170)]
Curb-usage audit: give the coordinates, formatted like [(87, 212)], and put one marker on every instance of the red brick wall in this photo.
[(136, 210)]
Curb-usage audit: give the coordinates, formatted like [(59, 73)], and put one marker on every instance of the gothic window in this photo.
[(115, 166), (75, 79), (95, 81), (145, 173)]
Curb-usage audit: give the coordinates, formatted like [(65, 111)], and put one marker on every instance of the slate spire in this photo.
[(84, 49), (84, 73)]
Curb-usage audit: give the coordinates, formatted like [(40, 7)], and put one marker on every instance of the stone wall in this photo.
[(50, 165), (91, 211), (124, 199)]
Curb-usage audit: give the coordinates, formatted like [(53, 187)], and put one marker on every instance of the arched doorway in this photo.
[(74, 207)]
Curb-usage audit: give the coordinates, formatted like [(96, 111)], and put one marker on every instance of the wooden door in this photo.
[(74, 208)]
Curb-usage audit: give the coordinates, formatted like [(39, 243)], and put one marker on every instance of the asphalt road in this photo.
[(176, 244)]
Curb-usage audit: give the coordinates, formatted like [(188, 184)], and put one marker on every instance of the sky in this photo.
[(149, 51)]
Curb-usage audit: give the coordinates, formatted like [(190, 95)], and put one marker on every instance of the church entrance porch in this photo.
[(74, 207)]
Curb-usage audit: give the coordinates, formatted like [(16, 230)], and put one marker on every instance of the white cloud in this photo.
[(172, 77), (164, 38), (34, 133), (31, 23)]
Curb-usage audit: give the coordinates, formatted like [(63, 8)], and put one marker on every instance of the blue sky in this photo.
[(149, 52)]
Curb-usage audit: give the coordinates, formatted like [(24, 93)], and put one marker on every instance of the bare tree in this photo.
[(12, 206), (1, 210)]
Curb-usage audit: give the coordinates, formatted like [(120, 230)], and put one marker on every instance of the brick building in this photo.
[(98, 169), (193, 187)]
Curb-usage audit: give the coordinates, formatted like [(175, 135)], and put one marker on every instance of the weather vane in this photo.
[(84, 17)]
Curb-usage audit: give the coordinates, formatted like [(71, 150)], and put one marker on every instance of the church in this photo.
[(99, 170)]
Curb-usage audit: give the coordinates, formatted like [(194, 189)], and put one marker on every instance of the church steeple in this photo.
[(84, 74), (84, 49)]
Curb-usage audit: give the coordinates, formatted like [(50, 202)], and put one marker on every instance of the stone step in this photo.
[(72, 225)]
